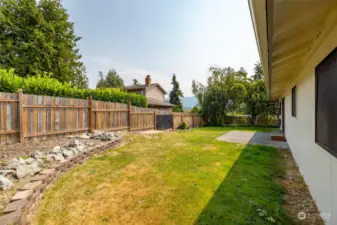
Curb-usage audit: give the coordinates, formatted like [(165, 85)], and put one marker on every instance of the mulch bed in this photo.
[(298, 198)]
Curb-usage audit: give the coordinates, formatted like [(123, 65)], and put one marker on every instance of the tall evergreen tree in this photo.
[(37, 37), (111, 80), (258, 72), (175, 95)]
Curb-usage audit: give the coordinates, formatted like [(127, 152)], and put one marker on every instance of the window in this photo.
[(326, 103), (293, 101)]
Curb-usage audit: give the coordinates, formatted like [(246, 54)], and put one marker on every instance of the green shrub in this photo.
[(182, 126), (44, 85), (177, 108)]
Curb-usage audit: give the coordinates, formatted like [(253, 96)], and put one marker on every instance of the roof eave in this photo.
[(261, 13)]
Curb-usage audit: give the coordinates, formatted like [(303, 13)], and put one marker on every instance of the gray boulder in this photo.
[(80, 148), (67, 153), (7, 172), (56, 149), (37, 155), (75, 152), (27, 170), (85, 136), (30, 161), (74, 143), (5, 183), (13, 163), (59, 157), (50, 157)]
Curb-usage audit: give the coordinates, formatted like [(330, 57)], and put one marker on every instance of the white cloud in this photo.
[(126, 71)]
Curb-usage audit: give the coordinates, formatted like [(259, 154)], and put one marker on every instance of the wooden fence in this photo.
[(192, 120), (24, 116)]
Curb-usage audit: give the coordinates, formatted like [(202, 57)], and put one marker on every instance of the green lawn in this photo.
[(172, 178)]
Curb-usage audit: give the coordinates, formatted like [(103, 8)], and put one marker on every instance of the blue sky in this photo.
[(161, 37)]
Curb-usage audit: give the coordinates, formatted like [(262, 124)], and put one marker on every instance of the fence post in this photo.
[(22, 137), (91, 116), (129, 115), (155, 119), (192, 119), (172, 120), (182, 118)]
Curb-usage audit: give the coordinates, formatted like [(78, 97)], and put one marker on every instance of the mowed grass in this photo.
[(170, 178)]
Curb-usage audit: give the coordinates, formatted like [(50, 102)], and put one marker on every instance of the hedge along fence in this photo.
[(43, 85), (271, 120)]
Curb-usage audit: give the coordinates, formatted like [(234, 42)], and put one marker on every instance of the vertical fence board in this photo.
[(46, 115)]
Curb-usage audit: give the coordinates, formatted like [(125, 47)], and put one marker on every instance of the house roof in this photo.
[(155, 102), (143, 86), (288, 34)]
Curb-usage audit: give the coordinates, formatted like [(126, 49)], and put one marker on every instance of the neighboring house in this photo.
[(154, 93), (297, 43)]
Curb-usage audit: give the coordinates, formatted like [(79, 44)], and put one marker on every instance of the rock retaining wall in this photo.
[(21, 208)]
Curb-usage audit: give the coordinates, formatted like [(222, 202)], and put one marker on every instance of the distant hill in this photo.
[(189, 102)]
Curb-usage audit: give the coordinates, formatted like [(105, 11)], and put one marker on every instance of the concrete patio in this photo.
[(251, 137)]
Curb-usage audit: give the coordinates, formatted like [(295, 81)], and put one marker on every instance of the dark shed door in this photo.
[(164, 122)]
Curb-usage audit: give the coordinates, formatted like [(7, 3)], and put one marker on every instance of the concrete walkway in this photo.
[(249, 137)]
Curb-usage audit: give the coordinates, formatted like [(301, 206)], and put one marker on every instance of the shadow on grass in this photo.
[(250, 193)]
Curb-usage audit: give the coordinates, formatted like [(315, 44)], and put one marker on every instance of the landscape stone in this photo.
[(73, 143), (22, 195), (56, 149), (31, 185), (7, 172), (5, 183), (37, 155), (50, 157), (17, 205), (34, 167), (27, 170), (21, 171), (30, 160), (67, 153), (85, 136), (58, 157), (42, 178), (48, 172), (11, 218), (13, 163), (80, 148), (22, 161)]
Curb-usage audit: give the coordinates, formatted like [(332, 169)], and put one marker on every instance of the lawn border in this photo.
[(22, 206)]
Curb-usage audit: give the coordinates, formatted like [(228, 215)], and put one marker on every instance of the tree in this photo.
[(225, 92), (111, 80), (37, 37), (258, 72), (196, 109), (175, 95), (256, 100), (135, 82), (80, 80)]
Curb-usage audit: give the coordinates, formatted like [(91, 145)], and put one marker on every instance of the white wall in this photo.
[(318, 167)]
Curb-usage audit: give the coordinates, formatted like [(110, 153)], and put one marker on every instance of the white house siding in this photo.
[(318, 167)]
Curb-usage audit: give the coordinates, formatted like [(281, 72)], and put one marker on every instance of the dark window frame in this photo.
[(293, 102), (332, 152)]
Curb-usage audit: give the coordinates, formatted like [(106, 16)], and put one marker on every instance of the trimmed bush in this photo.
[(182, 126), (44, 85)]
